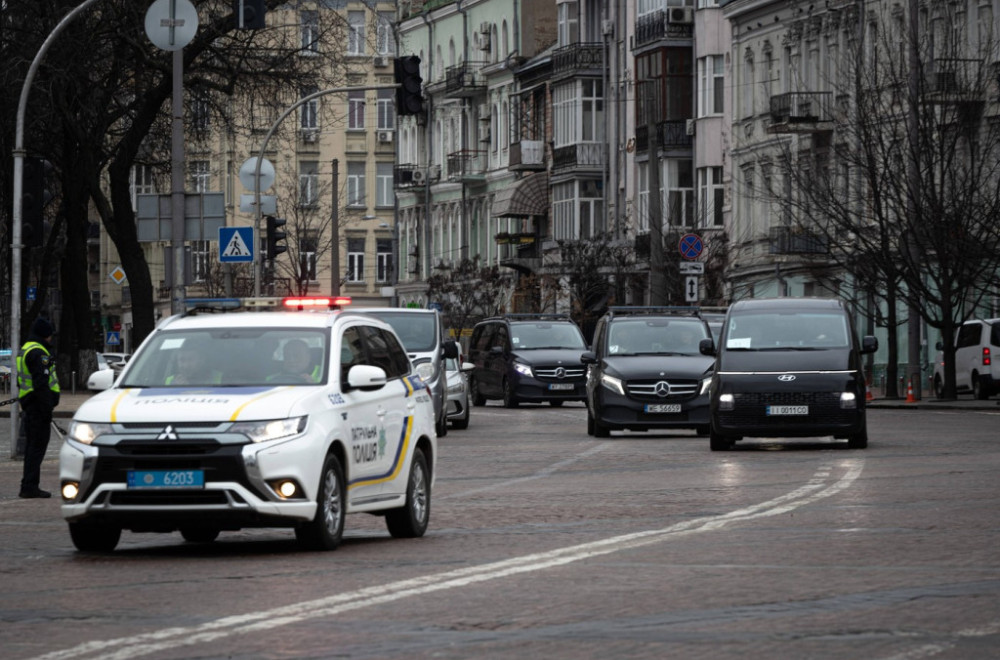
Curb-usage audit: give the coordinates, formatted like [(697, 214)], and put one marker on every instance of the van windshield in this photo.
[(797, 331), (526, 336), (418, 332)]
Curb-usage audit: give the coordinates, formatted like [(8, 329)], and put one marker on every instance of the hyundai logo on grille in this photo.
[(662, 389), (167, 434), (786, 378), (560, 372)]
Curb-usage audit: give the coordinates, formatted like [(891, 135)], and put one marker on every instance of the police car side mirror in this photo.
[(365, 377), (588, 357), (450, 349), (706, 347)]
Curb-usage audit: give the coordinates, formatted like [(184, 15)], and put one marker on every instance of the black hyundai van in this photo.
[(788, 367)]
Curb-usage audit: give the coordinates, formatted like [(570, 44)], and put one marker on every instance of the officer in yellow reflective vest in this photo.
[(38, 395)]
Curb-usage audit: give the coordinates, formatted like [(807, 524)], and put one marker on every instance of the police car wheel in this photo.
[(93, 537), (719, 442), (410, 520), (590, 424), (461, 423), (199, 534), (325, 530)]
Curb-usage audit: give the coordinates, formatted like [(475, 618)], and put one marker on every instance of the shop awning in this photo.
[(527, 197)]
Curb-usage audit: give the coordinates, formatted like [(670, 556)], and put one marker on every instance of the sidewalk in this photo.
[(68, 403)]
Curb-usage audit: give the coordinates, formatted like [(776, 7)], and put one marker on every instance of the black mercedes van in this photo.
[(788, 367)]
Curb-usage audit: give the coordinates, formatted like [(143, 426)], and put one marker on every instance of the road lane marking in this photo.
[(125, 648)]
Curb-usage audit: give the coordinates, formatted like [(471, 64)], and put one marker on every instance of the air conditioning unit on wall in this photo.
[(681, 15), (419, 177), (381, 61), (310, 135), (385, 137)]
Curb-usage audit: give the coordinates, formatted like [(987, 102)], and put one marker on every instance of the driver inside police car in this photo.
[(297, 363)]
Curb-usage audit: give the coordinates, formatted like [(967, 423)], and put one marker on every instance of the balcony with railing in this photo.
[(527, 155), (658, 26), (670, 135), (585, 156), (955, 80), (467, 165), (802, 112), (464, 80), (795, 240), (574, 60)]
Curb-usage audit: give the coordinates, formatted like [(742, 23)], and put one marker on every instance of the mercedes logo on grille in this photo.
[(662, 389), (167, 434), (786, 378), (560, 372)]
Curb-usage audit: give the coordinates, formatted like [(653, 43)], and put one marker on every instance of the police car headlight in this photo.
[(522, 369), (273, 429), (425, 370), (87, 432), (613, 384)]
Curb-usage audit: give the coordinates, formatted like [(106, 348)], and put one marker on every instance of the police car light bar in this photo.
[(317, 302), (191, 304)]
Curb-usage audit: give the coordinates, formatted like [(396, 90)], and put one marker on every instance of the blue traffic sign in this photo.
[(236, 245), (31, 293), (690, 246), (113, 338)]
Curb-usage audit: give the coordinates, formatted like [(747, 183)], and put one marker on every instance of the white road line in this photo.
[(125, 648)]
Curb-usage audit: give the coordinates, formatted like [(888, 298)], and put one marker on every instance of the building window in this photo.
[(710, 196), (307, 256), (200, 176), (309, 20), (383, 185), (356, 33), (668, 87), (678, 180), (308, 183), (201, 114), (569, 23), (355, 259), (578, 111), (642, 201), (711, 84), (386, 110), (577, 210), (384, 43), (356, 110), (356, 184), (143, 182), (201, 260), (383, 259), (310, 111)]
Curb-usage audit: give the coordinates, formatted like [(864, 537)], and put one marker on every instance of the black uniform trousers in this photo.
[(38, 427)]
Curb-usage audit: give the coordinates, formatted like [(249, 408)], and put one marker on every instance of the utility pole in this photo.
[(335, 230)]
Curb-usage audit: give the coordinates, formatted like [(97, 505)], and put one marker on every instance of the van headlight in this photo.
[(848, 401), (87, 432), (613, 384), (706, 385), (727, 402), (272, 429), (522, 369)]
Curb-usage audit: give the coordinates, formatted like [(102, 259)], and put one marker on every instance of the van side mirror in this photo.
[(707, 346), (869, 344), (450, 349), (588, 357)]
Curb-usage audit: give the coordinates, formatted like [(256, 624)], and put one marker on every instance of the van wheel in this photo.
[(600, 430), (858, 440), (477, 398), (509, 400), (702, 430), (326, 528), (938, 387), (590, 423), (94, 537), (719, 442), (979, 391), (441, 425), (410, 520)]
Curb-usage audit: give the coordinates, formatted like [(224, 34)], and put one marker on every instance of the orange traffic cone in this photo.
[(868, 391), (909, 393)]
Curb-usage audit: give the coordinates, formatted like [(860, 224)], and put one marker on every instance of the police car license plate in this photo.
[(663, 408), (561, 386), (166, 479), (788, 410)]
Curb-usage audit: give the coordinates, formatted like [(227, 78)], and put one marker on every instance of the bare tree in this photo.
[(469, 292)]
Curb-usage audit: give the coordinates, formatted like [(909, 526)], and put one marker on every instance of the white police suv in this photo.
[(223, 421)]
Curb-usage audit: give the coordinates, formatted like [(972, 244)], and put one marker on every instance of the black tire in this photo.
[(719, 442), (858, 440), (326, 529), (410, 520), (441, 425), (93, 537), (509, 400), (979, 389), (199, 534), (556, 403), (462, 424), (477, 398), (702, 430), (938, 387), (600, 430), (591, 428)]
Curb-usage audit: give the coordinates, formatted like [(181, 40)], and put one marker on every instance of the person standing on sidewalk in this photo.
[(38, 394)]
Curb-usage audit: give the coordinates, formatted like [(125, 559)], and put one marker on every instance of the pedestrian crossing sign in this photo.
[(235, 244)]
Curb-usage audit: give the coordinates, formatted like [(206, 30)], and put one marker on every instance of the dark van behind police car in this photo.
[(788, 367)]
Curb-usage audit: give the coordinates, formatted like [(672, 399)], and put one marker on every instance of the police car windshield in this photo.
[(418, 332), (262, 357), (526, 336), (650, 336), (798, 331)]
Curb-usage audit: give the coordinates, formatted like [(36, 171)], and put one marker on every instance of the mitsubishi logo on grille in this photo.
[(167, 434), (662, 389), (560, 372), (786, 378)]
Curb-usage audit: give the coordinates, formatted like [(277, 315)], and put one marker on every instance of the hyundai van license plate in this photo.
[(788, 410), (166, 479), (561, 386), (663, 408)]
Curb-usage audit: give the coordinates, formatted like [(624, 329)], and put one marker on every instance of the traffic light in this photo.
[(34, 197), (249, 14), (274, 236), (408, 98)]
